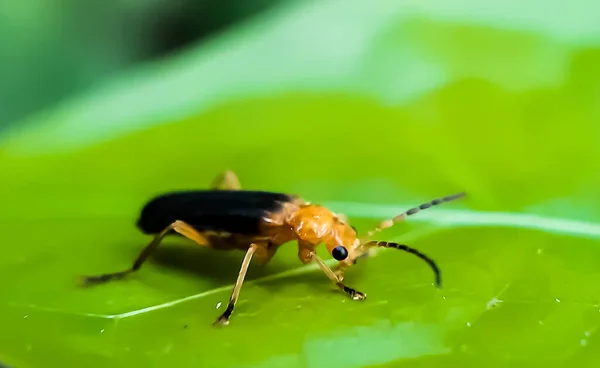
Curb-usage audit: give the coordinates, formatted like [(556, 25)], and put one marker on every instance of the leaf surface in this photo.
[(377, 109)]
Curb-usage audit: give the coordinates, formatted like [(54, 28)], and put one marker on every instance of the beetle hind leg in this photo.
[(226, 180), (178, 226)]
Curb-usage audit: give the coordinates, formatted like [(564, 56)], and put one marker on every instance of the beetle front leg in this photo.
[(339, 271), (226, 180), (307, 255), (352, 293)]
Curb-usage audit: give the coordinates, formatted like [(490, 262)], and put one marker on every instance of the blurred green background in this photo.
[(367, 107)]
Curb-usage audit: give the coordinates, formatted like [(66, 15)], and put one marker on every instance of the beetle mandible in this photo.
[(225, 217)]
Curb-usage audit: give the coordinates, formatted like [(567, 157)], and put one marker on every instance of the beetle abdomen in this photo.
[(235, 211)]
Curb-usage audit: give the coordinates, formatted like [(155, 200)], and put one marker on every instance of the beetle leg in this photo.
[(226, 180), (354, 294), (339, 271), (178, 226), (224, 318), (342, 266), (264, 254)]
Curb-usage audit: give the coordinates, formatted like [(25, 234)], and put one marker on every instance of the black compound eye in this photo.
[(339, 253)]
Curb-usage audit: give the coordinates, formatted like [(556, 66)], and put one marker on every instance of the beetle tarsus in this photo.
[(100, 279), (224, 318), (352, 293)]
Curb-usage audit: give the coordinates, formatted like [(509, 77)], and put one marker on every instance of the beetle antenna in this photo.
[(401, 217), (430, 262)]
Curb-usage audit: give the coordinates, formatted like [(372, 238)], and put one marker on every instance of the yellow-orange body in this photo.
[(260, 232), (310, 225), (298, 221)]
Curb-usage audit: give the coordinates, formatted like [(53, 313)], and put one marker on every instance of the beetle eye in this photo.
[(339, 253)]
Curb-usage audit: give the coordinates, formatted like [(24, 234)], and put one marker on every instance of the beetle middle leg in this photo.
[(224, 318), (226, 180), (178, 226)]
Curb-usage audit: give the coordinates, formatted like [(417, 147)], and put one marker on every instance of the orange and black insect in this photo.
[(225, 217)]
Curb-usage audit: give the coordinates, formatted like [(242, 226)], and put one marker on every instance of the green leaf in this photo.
[(369, 109)]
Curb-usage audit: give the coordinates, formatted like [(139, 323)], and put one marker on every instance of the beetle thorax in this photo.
[(316, 224)]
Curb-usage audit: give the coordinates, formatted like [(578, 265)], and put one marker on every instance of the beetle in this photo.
[(226, 217)]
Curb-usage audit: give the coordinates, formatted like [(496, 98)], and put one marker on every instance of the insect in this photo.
[(225, 217)]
